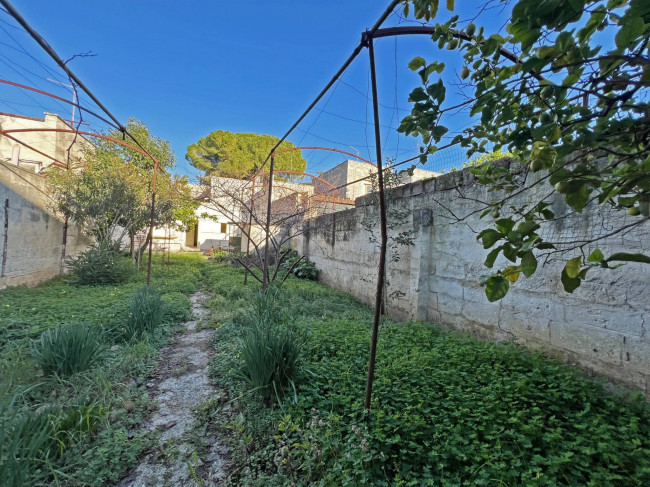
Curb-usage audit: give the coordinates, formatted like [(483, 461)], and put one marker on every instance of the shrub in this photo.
[(67, 350), (305, 269), (100, 264), (145, 313), (270, 349)]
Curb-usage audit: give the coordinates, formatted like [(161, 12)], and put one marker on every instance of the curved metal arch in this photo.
[(80, 132), (52, 95), (298, 172), (331, 149)]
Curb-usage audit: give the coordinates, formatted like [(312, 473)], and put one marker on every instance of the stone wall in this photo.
[(33, 234), (602, 326)]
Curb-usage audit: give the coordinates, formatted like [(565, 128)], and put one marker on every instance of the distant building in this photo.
[(43, 148), (353, 175)]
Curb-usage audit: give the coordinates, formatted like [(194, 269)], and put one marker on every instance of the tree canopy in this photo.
[(238, 155), (110, 195), (564, 89)]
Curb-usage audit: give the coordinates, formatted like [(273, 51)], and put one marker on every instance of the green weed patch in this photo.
[(447, 409)]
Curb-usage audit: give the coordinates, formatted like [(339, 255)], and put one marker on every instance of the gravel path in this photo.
[(181, 383)]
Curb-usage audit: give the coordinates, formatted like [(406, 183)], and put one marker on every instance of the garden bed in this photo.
[(447, 409), (79, 429)]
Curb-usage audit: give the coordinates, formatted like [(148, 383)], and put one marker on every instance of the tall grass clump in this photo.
[(145, 313), (67, 350), (24, 443), (270, 348), (100, 264)]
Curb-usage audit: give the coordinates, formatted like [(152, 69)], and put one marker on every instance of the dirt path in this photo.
[(181, 383)]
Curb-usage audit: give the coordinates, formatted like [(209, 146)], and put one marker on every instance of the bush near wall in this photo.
[(447, 409)]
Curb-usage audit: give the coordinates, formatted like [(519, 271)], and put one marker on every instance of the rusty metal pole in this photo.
[(250, 227), (383, 237), (265, 266), (153, 210)]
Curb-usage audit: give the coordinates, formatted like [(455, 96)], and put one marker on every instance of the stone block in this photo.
[(477, 308), (592, 344), (528, 317), (636, 354), (625, 321)]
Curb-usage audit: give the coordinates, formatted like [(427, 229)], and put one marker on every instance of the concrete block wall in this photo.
[(34, 235), (602, 327)]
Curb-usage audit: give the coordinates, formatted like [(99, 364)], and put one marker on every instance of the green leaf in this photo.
[(418, 94), (496, 287), (625, 257), (491, 257), (505, 225), (545, 246), (579, 199), (450, 5), (489, 237), (417, 63), (570, 283), (528, 264), (572, 267), (595, 256), (510, 253), (629, 32)]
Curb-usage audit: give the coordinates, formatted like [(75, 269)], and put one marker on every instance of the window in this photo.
[(367, 189), (224, 228)]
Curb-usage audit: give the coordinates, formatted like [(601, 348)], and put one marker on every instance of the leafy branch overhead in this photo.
[(565, 90)]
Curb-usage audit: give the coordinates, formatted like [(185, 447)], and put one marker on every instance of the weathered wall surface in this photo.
[(31, 237), (603, 326)]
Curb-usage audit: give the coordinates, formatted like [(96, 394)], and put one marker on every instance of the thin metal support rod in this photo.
[(153, 212), (331, 82), (265, 266), (250, 228), (5, 238), (64, 243), (382, 226)]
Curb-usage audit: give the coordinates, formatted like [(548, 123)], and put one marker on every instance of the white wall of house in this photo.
[(50, 145)]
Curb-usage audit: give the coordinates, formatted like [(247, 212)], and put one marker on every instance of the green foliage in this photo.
[(305, 269), (109, 196), (68, 350), (24, 443), (100, 264), (145, 313), (270, 349), (80, 430), (448, 409), (571, 105), (238, 155)]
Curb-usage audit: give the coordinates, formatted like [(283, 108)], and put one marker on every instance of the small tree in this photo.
[(244, 203), (105, 198), (110, 195)]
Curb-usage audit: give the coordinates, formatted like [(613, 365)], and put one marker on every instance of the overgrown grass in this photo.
[(270, 348), (144, 313), (447, 409), (78, 427), (67, 350)]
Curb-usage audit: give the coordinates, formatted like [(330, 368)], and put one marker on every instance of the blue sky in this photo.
[(188, 68)]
